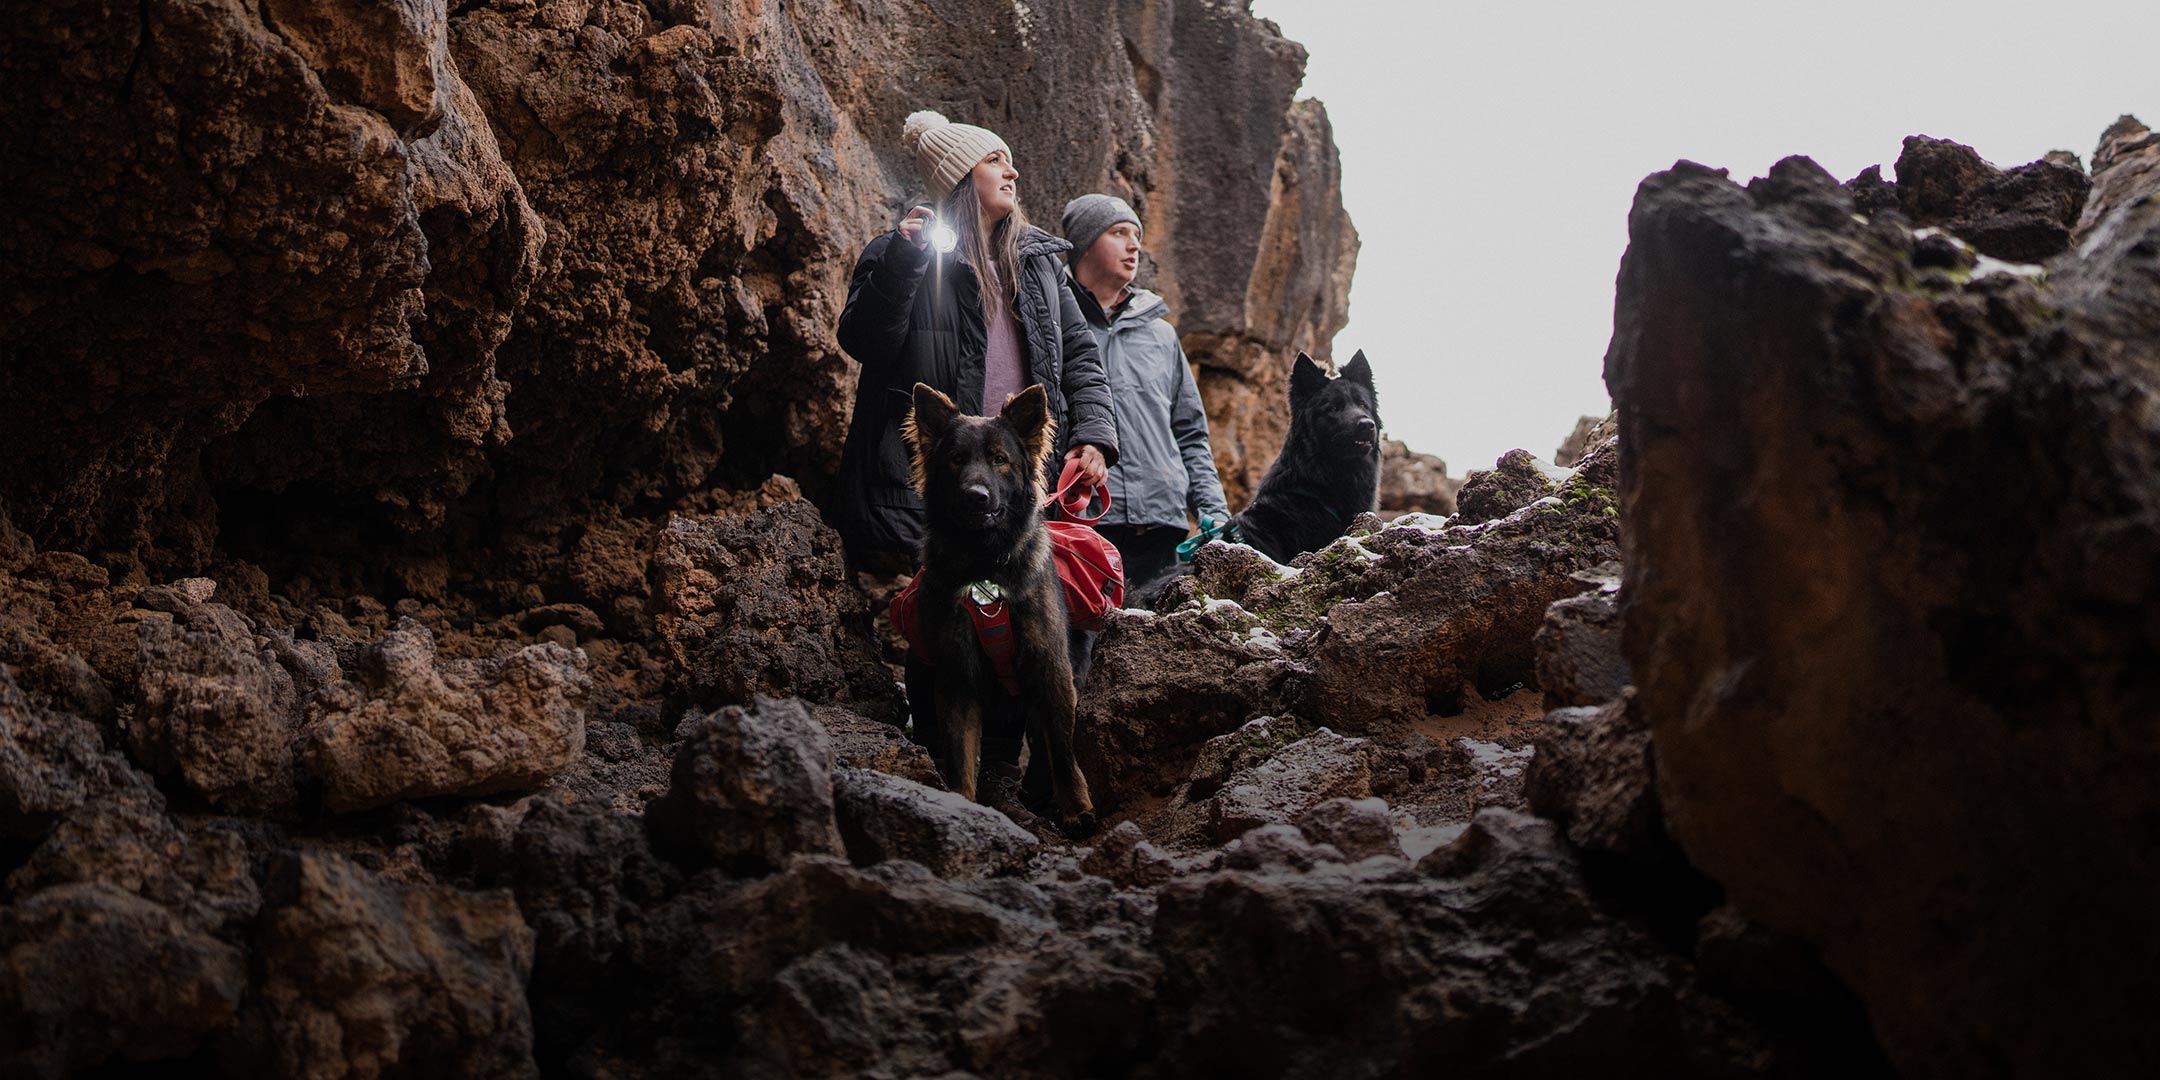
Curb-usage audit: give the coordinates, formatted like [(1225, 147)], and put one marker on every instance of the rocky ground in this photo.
[(422, 654)]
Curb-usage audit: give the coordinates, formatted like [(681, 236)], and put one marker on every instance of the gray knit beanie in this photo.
[(1090, 216), (947, 151)]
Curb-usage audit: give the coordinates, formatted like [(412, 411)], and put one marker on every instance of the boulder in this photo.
[(752, 789), (1891, 539), (762, 603), (410, 725), (216, 709), (425, 977), (1579, 661), (1359, 828), (91, 974), (887, 817)]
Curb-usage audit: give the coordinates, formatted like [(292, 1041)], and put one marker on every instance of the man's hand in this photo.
[(1092, 467)]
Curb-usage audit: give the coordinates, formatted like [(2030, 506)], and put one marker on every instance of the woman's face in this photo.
[(996, 186)]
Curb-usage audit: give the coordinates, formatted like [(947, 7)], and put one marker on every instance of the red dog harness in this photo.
[(1089, 569)]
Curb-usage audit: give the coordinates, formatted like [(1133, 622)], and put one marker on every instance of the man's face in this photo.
[(1114, 257)]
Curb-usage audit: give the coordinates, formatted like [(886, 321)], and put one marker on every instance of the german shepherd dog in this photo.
[(982, 483), (1329, 468)]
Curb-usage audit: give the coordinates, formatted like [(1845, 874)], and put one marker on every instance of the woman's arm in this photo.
[(1087, 389), (881, 294)]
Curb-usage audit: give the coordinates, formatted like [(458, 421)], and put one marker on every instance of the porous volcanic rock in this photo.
[(1254, 978), (437, 285), (1414, 483), (1579, 661), (1594, 774), (762, 604), (50, 763), (216, 708), (1589, 433), (886, 817), (408, 724), (1418, 616), (1514, 481), (1892, 541), (425, 976), (90, 973), (2022, 215), (752, 788)]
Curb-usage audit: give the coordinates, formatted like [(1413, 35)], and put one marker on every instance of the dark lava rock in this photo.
[(2020, 215), (1515, 481), (886, 817), (90, 974), (752, 789), (1594, 774), (1257, 972), (762, 604), (1579, 661), (1896, 713), (363, 976)]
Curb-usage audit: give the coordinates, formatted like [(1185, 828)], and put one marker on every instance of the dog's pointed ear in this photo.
[(1359, 371), (1306, 378), (1028, 414), (932, 418)]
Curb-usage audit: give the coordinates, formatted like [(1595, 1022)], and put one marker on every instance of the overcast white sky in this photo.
[(1490, 152)]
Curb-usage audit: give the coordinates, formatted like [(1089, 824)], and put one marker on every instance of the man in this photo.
[(1164, 467)]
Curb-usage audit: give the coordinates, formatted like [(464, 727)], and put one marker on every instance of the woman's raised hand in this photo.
[(915, 227)]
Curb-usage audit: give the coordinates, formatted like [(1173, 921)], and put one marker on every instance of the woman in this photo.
[(980, 323)]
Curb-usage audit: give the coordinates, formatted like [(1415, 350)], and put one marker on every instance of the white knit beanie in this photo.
[(947, 151)]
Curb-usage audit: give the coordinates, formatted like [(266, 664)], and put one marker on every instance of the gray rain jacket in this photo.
[(1164, 466)]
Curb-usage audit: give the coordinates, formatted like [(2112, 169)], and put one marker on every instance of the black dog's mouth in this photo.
[(1365, 446), (989, 519)]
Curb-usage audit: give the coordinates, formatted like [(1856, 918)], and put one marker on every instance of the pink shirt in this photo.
[(1004, 359)]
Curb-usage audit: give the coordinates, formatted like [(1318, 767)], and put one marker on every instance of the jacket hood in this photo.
[(1144, 306), (1037, 242)]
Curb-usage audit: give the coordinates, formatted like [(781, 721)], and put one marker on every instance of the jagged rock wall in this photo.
[(1892, 538), (427, 290)]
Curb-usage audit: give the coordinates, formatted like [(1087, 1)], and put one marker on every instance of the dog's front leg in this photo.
[(1052, 706), (959, 748)]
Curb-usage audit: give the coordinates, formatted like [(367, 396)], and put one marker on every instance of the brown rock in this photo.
[(91, 974), (1579, 661), (762, 604), (216, 709), (411, 725), (1515, 481), (2021, 215), (885, 817), (752, 789), (1595, 775), (1893, 714), (1590, 432), (49, 764), (1414, 483), (361, 977)]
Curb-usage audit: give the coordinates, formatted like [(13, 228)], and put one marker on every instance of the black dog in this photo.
[(1329, 468), (981, 480)]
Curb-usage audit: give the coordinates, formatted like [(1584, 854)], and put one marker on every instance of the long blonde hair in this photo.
[(999, 251)]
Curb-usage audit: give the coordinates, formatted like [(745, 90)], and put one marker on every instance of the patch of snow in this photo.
[(1990, 265), (1429, 524), (1218, 606), (1496, 760), (1263, 638), (1557, 474)]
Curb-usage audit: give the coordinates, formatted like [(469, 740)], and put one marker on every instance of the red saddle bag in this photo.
[(1089, 569)]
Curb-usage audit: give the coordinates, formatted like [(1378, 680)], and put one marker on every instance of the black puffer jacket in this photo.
[(917, 317)]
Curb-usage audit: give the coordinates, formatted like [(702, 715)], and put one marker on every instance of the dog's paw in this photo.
[(1079, 826)]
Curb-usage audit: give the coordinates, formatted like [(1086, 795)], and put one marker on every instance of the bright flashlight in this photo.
[(942, 239)]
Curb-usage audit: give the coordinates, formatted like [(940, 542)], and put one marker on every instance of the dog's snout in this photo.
[(1365, 425), (977, 496)]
